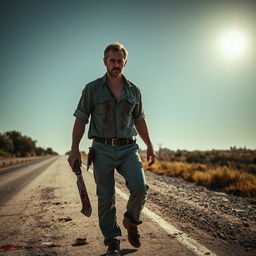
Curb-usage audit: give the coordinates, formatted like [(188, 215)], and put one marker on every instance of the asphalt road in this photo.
[(15, 178), (40, 215)]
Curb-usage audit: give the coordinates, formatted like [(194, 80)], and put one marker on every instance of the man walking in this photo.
[(116, 115)]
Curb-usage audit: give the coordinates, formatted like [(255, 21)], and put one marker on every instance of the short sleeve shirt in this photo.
[(108, 117)]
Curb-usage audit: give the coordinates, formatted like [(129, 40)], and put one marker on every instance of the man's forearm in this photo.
[(142, 130), (78, 132)]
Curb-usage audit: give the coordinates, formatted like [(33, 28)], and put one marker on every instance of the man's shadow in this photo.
[(124, 252)]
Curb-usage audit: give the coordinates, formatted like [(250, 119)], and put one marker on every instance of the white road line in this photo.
[(187, 241)]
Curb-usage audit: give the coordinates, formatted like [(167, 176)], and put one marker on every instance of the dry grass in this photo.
[(222, 178)]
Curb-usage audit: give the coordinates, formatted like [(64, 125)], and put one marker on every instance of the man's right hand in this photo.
[(73, 156)]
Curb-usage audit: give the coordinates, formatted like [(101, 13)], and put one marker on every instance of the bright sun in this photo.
[(233, 44)]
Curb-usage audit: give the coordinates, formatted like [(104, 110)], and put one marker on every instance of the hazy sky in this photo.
[(198, 93)]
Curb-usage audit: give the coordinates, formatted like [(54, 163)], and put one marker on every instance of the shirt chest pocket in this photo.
[(102, 105), (129, 105)]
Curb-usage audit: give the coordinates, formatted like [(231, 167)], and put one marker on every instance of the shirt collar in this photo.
[(104, 80)]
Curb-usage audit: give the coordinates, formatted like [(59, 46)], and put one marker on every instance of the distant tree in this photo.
[(15, 137), (49, 151), (23, 145), (13, 143), (6, 146), (40, 151), (28, 146)]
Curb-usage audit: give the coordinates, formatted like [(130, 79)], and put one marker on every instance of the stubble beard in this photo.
[(113, 74)]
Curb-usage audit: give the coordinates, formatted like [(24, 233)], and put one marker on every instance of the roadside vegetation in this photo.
[(14, 144), (232, 171)]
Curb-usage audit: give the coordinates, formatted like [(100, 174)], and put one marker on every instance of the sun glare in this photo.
[(233, 44)]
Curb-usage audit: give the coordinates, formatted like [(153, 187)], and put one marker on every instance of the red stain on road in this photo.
[(9, 247)]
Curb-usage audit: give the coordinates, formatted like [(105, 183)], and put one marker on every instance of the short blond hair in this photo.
[(115, 47)]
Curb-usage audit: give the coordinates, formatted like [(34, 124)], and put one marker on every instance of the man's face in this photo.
[(115, 63)]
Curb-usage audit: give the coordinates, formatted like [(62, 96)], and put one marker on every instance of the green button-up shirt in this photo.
[(110, 117)]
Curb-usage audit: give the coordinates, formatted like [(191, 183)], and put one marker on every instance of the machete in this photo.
[(86, 205)]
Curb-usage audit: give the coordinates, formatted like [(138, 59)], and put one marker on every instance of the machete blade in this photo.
[(86, 204)]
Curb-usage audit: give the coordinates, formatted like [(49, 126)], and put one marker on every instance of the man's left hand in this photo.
[(150, 156)]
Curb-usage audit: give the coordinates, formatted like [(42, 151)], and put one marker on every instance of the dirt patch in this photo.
[(47, 193)]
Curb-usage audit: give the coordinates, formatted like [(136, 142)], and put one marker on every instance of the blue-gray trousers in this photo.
[(126, 160)]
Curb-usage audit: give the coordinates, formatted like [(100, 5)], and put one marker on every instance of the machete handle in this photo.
[(77, 168)]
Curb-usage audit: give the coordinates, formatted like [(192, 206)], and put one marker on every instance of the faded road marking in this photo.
[(187, 241)]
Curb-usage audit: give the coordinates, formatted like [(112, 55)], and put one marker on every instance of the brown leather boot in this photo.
[(133, 234), (113, 250)]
